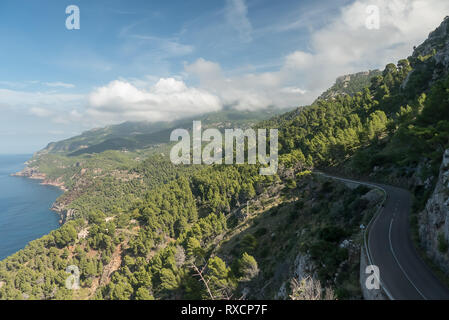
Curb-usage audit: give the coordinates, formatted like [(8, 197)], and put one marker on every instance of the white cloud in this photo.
[(237, 17), (14, 84), (146, 49), (40, 112), (164, 47), (75, 116), (41, 99), (168, 99), (34, 83), (293, 90), (60, 84), (49, 105), (57, 132), (245, 92), (345, 45), (342, 46), (298, 60)]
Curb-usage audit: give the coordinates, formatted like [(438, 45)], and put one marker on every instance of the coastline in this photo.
[(26, 213), (34, 174)]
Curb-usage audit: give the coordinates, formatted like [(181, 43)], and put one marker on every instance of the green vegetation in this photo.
[(151, 247), (139, 227), (443, 246), (350, 84)]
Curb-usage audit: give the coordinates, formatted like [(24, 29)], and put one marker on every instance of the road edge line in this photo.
[(370, 223), (399, 264)]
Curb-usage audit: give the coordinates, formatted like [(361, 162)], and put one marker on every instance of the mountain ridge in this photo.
[(144, 134)]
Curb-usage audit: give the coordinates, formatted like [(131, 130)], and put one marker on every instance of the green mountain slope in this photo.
[(141, 135), (142, 229), (99, 135)]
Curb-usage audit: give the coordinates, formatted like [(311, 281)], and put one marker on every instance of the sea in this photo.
[(25, 204)]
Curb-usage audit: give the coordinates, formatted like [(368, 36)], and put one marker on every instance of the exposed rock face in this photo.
[(438, 40), (33, 173), (434, 53), (434, 220), (349, 84), (59, 207), (301, 268), (83, 233), (66, 215), (282, 293), (30, 172)]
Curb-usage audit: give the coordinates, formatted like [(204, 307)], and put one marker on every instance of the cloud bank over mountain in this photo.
[(168, 99)]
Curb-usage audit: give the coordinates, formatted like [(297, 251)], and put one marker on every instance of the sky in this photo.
[(155, 60)]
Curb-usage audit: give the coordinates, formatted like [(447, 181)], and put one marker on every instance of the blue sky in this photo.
[(111, 42), (162, 60)]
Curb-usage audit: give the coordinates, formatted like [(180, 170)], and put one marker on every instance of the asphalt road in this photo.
[(403, 274)]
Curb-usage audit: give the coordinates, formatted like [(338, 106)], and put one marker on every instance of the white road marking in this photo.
[(397, 261), (372, 222)]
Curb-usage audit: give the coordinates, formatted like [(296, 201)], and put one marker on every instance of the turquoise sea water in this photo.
[(25, 213)]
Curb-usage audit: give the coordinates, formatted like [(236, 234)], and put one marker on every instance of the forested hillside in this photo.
[(387, 130), (225, 219), (146, 229), (394, 131)]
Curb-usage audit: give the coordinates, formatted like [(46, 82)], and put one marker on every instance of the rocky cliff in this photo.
[(349, 84), (430, 60), (58, 206), (434, 220), (436, 45), (33, 173)]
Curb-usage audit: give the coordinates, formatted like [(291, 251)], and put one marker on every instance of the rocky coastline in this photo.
[(33, 173)]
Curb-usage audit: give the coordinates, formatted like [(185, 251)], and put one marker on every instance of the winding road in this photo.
[(403, 274)]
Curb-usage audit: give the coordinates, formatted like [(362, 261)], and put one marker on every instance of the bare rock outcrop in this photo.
[(434, 220), (433, 53)]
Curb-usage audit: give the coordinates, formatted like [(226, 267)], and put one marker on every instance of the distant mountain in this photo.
[(100, 135), (144, 134), (350, 84)]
